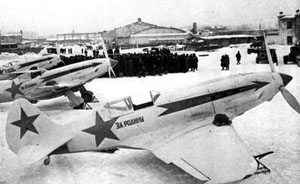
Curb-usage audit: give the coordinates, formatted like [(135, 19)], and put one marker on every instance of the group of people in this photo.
[(150, 63), (225, 61), (143, 64)]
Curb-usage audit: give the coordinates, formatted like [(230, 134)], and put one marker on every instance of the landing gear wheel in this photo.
[(33, 68), (112, 150), (88, 96), (33, 101), (298, 63), (221, 120), (47, 161), (81, 106)]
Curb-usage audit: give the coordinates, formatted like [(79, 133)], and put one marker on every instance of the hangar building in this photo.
[(141, 33), (135, 34), (159, 35)]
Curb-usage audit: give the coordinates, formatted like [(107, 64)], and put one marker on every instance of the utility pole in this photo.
[(0, 42), (22, 40)]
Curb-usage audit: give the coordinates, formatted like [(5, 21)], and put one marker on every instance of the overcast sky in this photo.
[(62, 16)]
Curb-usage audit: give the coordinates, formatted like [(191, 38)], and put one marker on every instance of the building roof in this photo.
[(159, 34), (11, 34), (129, 29), (139, 22), (162, 28), (288, 17), (226, 37)]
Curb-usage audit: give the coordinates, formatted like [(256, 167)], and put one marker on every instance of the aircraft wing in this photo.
[(8, 76), (17, 72), (210, 153), (64, 85)]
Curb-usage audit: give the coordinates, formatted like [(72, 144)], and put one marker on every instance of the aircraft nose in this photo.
[(113, 62), (285, 78)]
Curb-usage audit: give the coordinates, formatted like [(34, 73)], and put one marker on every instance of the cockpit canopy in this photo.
[(12, 63), (8, 67)]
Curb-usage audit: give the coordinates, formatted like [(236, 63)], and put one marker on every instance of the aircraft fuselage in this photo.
[(167, 113)]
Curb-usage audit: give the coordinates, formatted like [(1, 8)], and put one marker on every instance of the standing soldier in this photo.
[(94, 53), (141, 67), (227, 62), (238, 58), (85, 53), (195, 62), (223, 65)]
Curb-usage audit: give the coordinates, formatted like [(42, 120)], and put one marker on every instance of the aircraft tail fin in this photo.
[(32, 135)]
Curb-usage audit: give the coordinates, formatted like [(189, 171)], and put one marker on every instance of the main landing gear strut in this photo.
[(81, 102), (88, 97)]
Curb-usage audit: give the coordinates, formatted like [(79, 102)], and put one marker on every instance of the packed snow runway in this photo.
[(272, 126)]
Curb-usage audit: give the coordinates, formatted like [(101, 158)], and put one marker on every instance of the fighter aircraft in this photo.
[(190, 128), (40, 85), (13, 69)]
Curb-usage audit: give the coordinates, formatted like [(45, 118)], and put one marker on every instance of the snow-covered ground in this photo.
[(270, 126)]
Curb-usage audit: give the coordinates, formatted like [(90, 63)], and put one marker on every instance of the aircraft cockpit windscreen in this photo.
[(119, 107), (12, 63), (8, 67)]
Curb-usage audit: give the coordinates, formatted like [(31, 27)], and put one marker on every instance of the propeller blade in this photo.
[(57, 49), (104, 48), (110, 69), (290, 99), (270, 60)]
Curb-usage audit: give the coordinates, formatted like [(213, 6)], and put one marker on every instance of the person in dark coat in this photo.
[(110, 53), (94, 53), (85, 53), (117, 51), (238, 58), (227, 62), (141, 67), (223, 65)]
